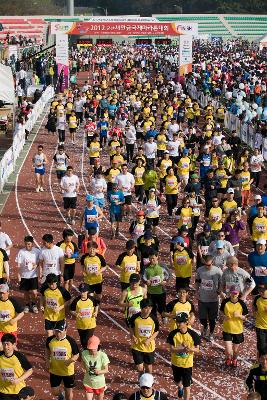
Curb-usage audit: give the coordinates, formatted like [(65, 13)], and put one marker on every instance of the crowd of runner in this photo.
[(156, 158)]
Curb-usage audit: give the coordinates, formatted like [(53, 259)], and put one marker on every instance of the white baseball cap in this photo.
[(257, 197), (261, 241), (146, 380), (230, 190)]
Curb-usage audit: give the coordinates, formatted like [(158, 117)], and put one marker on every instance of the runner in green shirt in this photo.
[(95, 362), (155, 276)]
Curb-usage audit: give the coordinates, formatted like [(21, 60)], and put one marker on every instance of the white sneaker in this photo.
[(41, 189), (37, 189), (26, 309)]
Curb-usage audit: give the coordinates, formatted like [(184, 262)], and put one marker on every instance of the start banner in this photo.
[(127, 28)]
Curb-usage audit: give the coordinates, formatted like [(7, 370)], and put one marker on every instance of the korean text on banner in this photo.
[(62, 59), (185, 54)]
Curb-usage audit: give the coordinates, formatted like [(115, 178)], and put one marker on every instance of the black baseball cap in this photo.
[(60, 326), (84, 287), (25, 392), (182, 317), (134, 278)]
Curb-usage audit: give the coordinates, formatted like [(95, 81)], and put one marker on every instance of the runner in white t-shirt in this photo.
[(70, 186), (125, 181), (99, 187), (51, 259), (27, 262), (5, 241), (256, 164)]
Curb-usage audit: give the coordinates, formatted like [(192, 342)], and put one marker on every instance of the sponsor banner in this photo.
[(125, 28), (62, 59), (63, 80), (185, 54), (62, 49)]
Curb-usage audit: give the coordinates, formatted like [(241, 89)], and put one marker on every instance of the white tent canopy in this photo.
[(7, 90)]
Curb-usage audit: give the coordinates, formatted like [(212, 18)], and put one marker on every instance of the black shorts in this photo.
[(222, 190), (115, 218), (181, 283), (28, 284), (68, 381), (50, 325), (124, 285), (4, 396), (160, 153), (2, 280), (70, 202), (60, 174), (85, 334), (72, 130), (152, 221), (128, 200), (96, 288), (183, 375), (69, 270), (140, 357), (208, 310), (233, 337), (261, 339)]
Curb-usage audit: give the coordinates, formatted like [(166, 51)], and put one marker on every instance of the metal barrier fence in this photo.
[(8, 162), (246, 132)]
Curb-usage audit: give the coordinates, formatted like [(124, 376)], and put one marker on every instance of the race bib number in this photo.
[(51, 268), (92, 268), (206, 163), (216, 217), (5, 315), (181, 260), (145, 331), (184, 165), (130, 267), (206, 284), (7, 374), (51, 303), (29, 265), (86, 312), (259, 271), (155, 281), (260, 228), (171, 182), (60, 353), (90, 218), (146, 261), (204, 250)]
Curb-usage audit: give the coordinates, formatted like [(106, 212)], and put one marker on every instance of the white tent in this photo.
[(7, 90), (263, 41)]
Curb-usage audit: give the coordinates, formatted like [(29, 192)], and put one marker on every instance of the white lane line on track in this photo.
[(62, 216), (16, 184)]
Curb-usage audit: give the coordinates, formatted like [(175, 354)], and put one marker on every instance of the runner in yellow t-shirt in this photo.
[(184, 343)]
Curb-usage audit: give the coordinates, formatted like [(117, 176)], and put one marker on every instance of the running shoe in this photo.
[(73, 222), (234, 362), (26, 308), (37, 189), (34, 309), (180, 393), (211, 338), (228, 362), (41, 189), (61, 396)]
